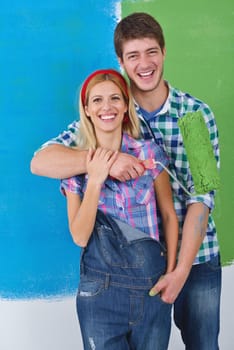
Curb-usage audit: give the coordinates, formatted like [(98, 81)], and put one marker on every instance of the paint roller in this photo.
[(199, 152)]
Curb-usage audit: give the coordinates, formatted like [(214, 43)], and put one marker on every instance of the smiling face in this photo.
[(143, 60), (106, 107)]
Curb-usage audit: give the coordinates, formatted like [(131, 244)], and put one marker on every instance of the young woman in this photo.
[(116, 224)]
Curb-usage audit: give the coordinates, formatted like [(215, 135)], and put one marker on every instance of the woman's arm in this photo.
[(82, 214), (169, 219)]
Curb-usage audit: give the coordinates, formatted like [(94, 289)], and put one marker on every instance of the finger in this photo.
[(109, 154), (133, 173), (113, 158), (156, 289), (89, 155), (139, 168), (98, 152), (153, 292), (136, 170), (167, 299), (126, 177)]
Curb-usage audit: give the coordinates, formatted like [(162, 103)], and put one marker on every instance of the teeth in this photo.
[(106, 117), (147, 74)]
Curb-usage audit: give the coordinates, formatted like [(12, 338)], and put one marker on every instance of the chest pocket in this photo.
[(144, 189)]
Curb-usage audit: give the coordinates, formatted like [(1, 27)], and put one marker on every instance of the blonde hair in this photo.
[(86, 138)]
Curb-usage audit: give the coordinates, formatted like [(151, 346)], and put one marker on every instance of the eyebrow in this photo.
[(149, 49), (114, 94)]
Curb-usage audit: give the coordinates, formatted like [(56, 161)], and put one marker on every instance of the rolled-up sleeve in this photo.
[(208, 199), (66, 138), (71, 184)]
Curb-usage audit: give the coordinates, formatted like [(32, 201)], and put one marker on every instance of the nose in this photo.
[(106, 104), (144, 61)]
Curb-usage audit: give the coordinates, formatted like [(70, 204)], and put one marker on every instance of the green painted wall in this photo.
[(200, 60)]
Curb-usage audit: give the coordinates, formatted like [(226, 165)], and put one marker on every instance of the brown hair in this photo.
[(136, 26)]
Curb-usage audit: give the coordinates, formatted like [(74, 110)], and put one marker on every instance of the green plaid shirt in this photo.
[(163, 128)]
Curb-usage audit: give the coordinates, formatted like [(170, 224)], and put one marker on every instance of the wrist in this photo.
[(94, 184), (182, 270)]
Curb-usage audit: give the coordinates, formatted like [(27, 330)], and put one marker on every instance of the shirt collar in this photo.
[(129, 143), (166, 106)]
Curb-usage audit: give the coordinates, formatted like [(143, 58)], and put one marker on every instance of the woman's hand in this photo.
[(98, 164)]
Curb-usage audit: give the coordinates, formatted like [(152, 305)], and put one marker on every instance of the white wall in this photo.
[(50, 325)]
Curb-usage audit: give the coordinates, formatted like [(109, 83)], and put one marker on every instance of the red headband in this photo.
[(102, 71)]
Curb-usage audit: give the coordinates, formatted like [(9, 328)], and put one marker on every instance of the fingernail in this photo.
[(152, 293)]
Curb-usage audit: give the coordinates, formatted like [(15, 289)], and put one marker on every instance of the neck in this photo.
[(111, 141), (151, 100)]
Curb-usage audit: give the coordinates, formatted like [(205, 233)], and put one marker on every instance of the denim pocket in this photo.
[(89, 288), (214, 263)]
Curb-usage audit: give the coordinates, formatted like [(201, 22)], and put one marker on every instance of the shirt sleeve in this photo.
[(72, 184), (66, 138)]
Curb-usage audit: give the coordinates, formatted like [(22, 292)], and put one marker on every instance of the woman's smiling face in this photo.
[(106, 106)]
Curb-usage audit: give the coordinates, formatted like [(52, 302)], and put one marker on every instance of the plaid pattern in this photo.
[(164, 129), (132, 201)]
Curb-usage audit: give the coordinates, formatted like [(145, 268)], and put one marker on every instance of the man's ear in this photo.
[(120, 62)]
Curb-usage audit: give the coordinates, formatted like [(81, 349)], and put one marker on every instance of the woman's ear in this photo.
[(86, 111)]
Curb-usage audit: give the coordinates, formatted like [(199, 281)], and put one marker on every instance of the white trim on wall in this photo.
[(46, 325)]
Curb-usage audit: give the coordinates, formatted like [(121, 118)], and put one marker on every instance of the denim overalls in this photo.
[(118, 268)]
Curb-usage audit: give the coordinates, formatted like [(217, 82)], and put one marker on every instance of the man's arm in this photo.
[(194, 231), (58, 161), (58, 157)]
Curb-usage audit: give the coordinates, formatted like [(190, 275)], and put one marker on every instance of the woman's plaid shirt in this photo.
[(163, 128)]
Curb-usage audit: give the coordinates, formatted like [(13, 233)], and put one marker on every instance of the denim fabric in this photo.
[(196, 310), (113, 305)]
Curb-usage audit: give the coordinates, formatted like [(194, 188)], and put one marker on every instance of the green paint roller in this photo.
[(199, 152)]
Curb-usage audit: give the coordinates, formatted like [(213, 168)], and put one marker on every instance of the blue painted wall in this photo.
[(47, 48)]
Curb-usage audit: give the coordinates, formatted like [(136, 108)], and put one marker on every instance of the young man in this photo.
[(195, 284)]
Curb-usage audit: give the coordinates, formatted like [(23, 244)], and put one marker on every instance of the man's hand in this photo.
[(169, 285), (126, 167)]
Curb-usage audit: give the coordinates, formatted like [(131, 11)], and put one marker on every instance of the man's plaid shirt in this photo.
[(163, 127)]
